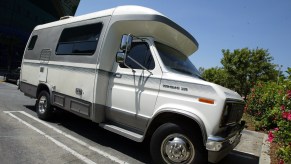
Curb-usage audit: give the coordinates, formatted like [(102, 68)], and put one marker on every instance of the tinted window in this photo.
[(141, 53), (175, 60), (32, 42), (80, 40)]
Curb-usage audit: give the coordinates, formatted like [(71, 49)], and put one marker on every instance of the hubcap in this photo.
[(42, 104), (177, 148)]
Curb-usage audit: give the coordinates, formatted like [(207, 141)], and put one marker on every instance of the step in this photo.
[(123, 132)]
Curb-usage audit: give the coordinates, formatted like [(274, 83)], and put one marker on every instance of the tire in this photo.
[(43, 107), (171, 143)]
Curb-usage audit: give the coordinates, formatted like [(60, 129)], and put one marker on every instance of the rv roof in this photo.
[(121, 10), (151, 23)]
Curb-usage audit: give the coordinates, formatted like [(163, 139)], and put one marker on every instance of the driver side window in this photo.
[(141, 53)]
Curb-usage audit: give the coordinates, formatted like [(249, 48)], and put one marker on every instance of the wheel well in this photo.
[(177, 119), (41, 87)]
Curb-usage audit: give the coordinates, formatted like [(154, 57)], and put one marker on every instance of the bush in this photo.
[(270, 105)]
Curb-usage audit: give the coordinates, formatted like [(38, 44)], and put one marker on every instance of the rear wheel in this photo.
[(44, 109), (171, 143)]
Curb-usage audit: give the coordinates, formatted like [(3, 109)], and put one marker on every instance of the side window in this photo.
[(141, 53), (32, 42), (80, 40)]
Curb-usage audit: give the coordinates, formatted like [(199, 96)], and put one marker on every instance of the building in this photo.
[(17, 20)]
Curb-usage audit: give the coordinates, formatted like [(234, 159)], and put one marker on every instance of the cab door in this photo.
[(133, 91)]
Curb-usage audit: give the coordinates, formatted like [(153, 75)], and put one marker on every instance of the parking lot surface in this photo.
[(71, 139)]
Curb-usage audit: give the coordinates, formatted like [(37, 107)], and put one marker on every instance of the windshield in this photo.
[(176, 61)]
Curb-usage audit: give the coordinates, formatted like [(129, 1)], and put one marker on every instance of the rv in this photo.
[(128, 70)]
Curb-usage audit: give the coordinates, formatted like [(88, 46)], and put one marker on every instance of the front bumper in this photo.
[(218, 147)]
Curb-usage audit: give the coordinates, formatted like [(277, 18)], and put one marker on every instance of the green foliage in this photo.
[(241, 69), (289, 73), (248, 66), (270, 104), (285, 153), (217, 75)]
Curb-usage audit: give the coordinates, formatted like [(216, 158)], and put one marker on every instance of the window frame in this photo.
[(140, 68), (32, 42), (73, 43)]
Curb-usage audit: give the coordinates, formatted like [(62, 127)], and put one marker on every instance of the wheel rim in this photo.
[(177, 148), (42, 104)]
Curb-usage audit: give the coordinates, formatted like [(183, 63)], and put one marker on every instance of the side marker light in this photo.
[(205, 100)]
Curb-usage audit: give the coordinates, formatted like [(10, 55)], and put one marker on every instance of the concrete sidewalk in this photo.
[(256, 144)]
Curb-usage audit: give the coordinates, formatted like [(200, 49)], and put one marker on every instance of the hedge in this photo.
[(270, 105)]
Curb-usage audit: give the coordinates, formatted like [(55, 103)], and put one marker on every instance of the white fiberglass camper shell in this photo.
[(127, 68)]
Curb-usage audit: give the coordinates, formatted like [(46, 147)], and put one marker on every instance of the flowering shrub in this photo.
[(270, 105)]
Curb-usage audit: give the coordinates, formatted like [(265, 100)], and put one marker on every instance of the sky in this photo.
[(221, 24)]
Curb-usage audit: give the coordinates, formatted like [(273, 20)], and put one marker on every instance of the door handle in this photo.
[(117, 75)]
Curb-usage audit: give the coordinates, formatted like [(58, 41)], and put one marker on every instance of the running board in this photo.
[(124, 132)]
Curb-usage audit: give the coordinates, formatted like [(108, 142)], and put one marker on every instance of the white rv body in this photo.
[(81, 76)]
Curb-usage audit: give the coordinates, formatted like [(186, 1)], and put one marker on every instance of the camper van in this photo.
[(128, 70)]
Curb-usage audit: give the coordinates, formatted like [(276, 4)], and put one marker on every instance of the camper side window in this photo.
[(141, 53), (81, 40), (32, 42)]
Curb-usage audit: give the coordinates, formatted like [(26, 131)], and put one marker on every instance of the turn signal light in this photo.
[(205, 100)]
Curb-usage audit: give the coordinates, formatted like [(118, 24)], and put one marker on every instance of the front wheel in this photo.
[(44, 109), (171, 143)]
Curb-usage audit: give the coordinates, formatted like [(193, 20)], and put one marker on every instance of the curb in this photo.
[(264, 156)]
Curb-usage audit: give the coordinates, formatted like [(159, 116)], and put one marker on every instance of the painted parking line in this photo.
[(113, 158), (58, 143)]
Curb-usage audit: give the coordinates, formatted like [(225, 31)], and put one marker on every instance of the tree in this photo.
[(289, 73), (201, 70), (246, 67), (219, 76)]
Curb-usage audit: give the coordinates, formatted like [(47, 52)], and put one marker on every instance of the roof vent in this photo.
[(66, 17)]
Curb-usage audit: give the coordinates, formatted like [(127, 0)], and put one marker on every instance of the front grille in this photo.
[(232, 114)]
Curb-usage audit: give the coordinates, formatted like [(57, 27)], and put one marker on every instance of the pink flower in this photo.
[(285, 115), (281, 161), (289, 94), (270, 137), (289, 116), (276, 129), (282, 107)]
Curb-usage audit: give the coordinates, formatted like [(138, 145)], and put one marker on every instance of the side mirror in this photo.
[(126, 41), (120, 56)]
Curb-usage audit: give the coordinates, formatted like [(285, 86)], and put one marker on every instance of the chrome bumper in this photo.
[(219, 147)]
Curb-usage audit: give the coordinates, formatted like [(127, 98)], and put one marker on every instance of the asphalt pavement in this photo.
[(71, 139)]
